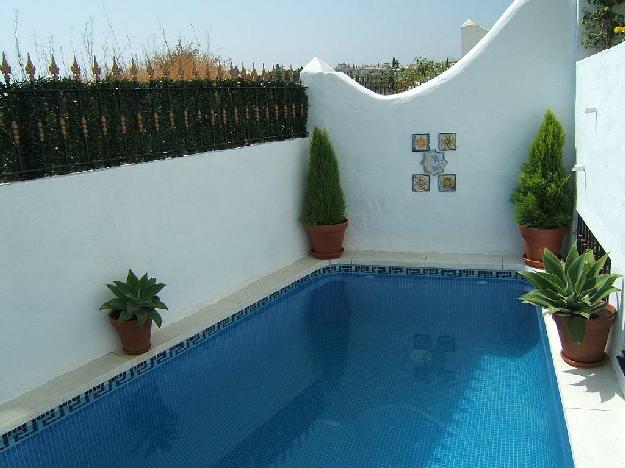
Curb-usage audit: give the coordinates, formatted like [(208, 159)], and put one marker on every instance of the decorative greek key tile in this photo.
[(420, 142), (447, 142), (414, 271), (486, 274)]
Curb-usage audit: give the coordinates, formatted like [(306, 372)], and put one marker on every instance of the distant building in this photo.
[(472, 33), (362, 70), (343, 67)]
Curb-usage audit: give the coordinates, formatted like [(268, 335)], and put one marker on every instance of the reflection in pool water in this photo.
[(348, 370)]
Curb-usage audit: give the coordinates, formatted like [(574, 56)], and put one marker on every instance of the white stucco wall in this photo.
[(470, 34), (600, 148), (494, 99), (205, 224)]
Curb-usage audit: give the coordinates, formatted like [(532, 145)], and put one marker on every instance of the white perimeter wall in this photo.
[(470, 35), (205, 224), (494, 99), (600, 141)]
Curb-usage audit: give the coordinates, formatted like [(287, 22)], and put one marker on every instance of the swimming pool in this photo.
[(352, 366)]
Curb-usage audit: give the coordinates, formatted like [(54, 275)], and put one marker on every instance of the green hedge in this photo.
[(66, 126)]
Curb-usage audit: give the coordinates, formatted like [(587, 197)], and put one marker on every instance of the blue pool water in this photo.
[(346, 370)]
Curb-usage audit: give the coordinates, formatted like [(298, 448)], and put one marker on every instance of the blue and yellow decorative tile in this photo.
[(434, 162), (420, 142), (447, 142), (447, 183), (420, 183)]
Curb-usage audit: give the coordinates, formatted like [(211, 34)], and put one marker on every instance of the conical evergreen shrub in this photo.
[(324, 202), (544, 196)]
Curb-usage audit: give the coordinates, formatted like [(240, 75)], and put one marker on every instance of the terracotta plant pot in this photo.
[(591, 351), (535, 241), (135, 339), (327, 240)]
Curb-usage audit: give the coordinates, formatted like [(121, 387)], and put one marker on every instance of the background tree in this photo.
[(422, 71), (599, 24)]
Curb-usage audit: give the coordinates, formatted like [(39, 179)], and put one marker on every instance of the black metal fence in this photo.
[(58, 126), (587, 241), (387, 81), (380, 84)]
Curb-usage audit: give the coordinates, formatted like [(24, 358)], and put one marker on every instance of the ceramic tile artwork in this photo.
[(434, 162), (420, 142), (447, 183), (447, 142), (420, 183)]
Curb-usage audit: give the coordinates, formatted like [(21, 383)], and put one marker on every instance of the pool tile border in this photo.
[(67, 408)]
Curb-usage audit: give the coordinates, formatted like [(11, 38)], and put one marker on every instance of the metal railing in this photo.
[(380, 85), (587, 241), (387, 81)]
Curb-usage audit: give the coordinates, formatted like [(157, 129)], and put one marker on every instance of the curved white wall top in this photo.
[(493, 98)]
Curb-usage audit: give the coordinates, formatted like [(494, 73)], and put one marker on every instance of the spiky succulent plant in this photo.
[(574, 288), (136, 299)]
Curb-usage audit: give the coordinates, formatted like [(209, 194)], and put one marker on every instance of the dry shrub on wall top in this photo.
[(544, 196), (159, 53), (185, 56)]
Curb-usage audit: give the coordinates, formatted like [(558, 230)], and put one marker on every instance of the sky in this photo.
[(269, 31)]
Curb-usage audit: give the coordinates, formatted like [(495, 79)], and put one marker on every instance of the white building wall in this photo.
[(600, 124), (494, 99), (206, 225), (470, 34)]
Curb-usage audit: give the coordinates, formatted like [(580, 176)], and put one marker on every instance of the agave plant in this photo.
[(136, 299), (574, 288)]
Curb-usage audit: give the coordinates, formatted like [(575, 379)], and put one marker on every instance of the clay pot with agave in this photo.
[(135, 338), (133, 309), (590, 351), (324, 202), (575, 291)]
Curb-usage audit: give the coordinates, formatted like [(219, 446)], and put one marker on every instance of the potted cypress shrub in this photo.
[(543, 199), (324, 202), (133, 309), (574, 292)]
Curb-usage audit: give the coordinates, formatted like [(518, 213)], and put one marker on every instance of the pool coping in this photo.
[(591, 399)]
